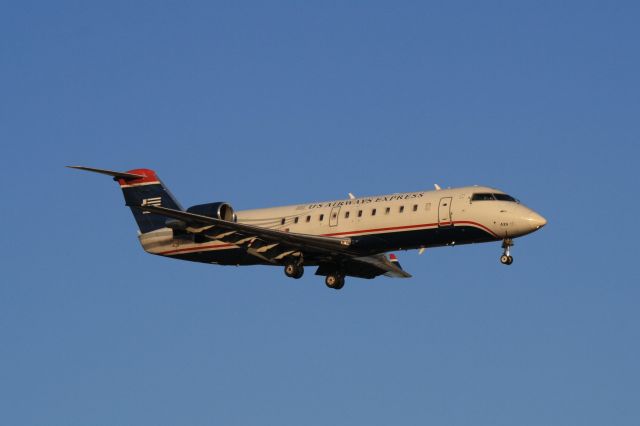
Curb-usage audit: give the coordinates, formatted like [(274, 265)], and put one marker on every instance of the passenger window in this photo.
[(321, 217), (295, 220), (359, 213), (401, 209), (415, 207), (334, 215), (308, 218), (373, 212), (282, 221), (387, 210), (346, 215)]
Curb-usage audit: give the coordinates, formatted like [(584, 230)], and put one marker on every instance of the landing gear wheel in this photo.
[(293, 270), (510, 260), (334, 281), (506, 260)]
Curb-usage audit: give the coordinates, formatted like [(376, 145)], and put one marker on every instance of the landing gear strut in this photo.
[(335, 281), (506, 258), (294, 270)]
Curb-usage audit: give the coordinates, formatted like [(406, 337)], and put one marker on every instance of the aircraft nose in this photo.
[(536, 221)]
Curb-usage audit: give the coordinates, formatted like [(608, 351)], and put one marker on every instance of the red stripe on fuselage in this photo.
[(476, 224), (423, 225), (393, 228)]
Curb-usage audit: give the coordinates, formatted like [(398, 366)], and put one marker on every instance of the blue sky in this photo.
[(266, 103)]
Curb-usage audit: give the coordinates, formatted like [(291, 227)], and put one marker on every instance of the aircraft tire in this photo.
[(293, 270), (504, 259), (334, 281)]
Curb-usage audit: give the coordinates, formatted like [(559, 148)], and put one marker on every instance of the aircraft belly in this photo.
[(432, 237)]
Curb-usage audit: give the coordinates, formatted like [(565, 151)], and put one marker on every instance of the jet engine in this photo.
[(219, 210)]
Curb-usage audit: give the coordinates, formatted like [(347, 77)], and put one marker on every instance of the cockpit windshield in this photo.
[(485, 196), (482, 197), (505, 197)]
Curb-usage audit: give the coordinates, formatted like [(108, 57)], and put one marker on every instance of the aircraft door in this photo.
[(444, 212), (333, 217)]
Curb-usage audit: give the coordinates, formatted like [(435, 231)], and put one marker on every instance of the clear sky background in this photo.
[(267, 103)]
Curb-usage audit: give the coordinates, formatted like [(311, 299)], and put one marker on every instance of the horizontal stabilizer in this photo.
[(119, 175)]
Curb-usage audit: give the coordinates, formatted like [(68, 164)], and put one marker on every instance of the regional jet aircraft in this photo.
[(342, 238)]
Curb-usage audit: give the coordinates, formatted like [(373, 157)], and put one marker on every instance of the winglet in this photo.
[(118, 175), (394, 260)]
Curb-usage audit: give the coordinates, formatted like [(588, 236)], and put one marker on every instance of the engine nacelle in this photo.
[(220, 210)]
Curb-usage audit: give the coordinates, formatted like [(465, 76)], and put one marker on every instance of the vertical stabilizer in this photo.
[(141, 187)]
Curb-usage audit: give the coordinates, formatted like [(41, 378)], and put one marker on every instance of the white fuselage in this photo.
[(383, 223)]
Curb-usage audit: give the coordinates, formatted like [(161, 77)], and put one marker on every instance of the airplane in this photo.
[(342, 238)]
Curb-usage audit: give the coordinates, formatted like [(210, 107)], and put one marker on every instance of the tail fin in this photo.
[(141, 187)]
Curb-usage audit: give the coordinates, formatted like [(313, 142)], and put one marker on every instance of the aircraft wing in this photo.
[(255, 239), (366, 267), (382, 262), (272, 245)]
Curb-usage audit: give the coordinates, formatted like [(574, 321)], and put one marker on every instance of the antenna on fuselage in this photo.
[(351, 196), (437, 187)]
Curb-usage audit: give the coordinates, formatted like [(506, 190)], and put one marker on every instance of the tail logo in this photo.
[(154, 202)]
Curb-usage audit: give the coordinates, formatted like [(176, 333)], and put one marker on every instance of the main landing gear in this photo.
[(335, 281), (294, 270), (506, 258)]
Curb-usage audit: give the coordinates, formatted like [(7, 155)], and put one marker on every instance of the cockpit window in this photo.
[(504, 197), (483, 196)]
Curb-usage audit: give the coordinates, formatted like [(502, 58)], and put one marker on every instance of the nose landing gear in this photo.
[(506, 258)]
